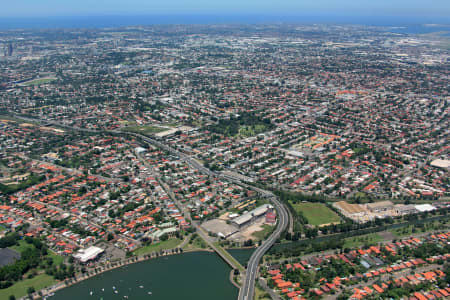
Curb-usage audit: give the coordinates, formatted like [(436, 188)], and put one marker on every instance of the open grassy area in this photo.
[(57, 259), (145, 129), (246, 124), (260, 235), (22, 246), (246, 131), (316, 213), (358, 241), (229, 256), (414, 229), (19, 289), (38, 81), (165, 245), (260, 294), (197, 244), (402, 232)]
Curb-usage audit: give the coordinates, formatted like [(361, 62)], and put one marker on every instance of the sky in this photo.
[(47, 8)]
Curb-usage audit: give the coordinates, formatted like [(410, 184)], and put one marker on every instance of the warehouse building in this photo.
[(252, 216)]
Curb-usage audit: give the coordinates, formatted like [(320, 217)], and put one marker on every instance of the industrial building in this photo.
[(367, 212), (252, 216)]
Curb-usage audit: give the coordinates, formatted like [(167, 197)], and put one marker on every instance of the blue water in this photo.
[(130, 20), (420, 29), (241, 255), (187, 276)]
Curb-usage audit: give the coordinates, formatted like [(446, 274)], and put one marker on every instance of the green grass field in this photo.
[(19, 289), (412, 229), (316, 213), (146, 129), (22, 246), (57, 259), (402, 232), (165, 245), (247, 131), (357, 241), (38, 81), (260, 294), (197, 244)]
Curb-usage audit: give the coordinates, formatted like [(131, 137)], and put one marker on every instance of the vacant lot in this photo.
[(316, 213), (261, 235), (165, 245)]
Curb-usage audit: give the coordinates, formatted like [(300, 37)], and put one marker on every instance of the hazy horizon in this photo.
[(110, 20), (400, 8)]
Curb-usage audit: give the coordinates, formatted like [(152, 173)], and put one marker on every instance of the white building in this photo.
[(425, 207), (85, 255)]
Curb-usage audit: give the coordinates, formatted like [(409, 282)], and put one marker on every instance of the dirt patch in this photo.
[(333, 223), (247, 233)]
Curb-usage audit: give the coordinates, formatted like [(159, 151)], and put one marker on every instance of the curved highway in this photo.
[(248, 286)]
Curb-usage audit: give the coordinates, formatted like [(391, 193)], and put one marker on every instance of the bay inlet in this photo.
[(195, 275)]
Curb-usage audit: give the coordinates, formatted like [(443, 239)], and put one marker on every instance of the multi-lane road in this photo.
[(248, 285)]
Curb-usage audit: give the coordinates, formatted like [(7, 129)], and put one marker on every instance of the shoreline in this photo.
[(111, 266), (97, 270)]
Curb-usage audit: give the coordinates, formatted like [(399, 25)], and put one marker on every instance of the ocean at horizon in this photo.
[(7, 23)]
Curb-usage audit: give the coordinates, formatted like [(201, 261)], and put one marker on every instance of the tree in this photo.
[(30, 290), (110, 236), (248, 243)]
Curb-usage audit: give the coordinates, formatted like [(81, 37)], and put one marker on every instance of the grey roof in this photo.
[(253, 213)]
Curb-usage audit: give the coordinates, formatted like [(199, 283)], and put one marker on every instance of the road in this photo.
[(266, 288), (248, 287), (168, 191)]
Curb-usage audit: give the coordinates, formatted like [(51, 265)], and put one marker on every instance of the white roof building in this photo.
[(90, 253), (257, 212), (140, 150), (425, 207), (441, 163)]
